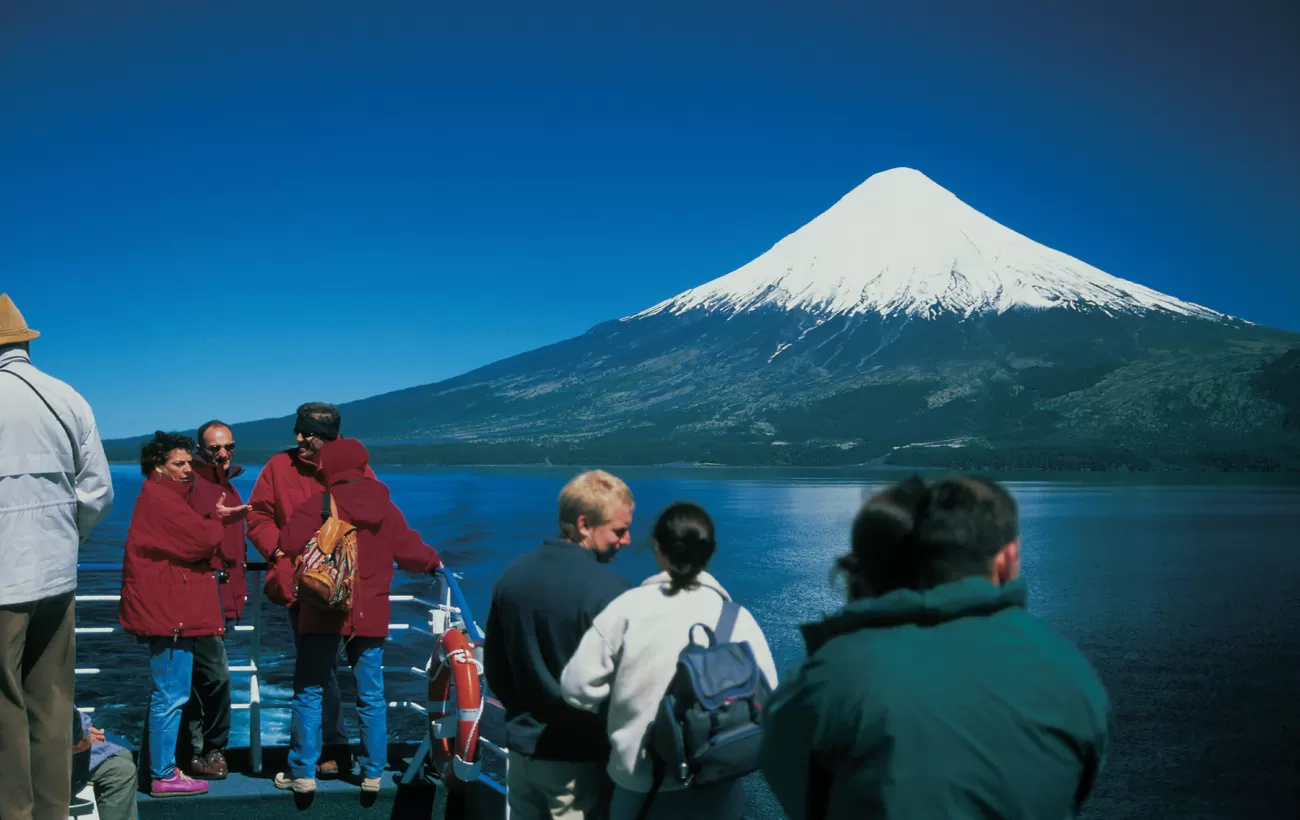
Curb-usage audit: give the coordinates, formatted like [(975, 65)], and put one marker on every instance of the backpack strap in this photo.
[(726, 622), (76, 450), (325, 510), (657, 767)]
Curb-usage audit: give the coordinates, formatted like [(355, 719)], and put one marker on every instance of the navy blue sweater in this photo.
[(542, 605)]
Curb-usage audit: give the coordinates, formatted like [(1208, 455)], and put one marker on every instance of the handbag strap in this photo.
[(72, 440)]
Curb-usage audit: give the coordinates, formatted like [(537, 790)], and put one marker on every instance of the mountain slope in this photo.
[(900, 324)]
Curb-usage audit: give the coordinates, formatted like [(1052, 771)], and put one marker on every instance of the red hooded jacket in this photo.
[(168, 589), (210, 481), (285, 482), (383, 538)]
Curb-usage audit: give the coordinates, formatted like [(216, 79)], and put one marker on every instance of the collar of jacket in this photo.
[(15, 355), (181, 488), (211, 472), (931, 607), (567, 545), (704, 579), (303, 465)]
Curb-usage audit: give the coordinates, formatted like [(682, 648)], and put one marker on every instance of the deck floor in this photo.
[(245, 795)]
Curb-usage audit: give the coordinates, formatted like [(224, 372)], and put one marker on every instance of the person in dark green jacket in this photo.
[(934, 693)]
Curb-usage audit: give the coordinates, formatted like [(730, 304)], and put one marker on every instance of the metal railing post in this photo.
[(255, 660)]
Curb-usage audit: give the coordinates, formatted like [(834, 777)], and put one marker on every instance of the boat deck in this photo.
[(407, 791), (245, 795)]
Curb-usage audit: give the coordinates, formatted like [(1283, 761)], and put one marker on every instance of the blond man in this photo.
[(542, 605)]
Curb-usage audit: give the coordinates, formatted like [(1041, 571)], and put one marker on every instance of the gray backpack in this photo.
[(708, 728)]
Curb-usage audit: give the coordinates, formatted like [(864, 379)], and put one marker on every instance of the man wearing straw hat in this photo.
[(54, 489)]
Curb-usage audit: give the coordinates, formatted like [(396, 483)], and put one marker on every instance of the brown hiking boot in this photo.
[(211, 766), (335, 760)]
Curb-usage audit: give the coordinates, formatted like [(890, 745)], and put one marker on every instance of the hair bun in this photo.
[(684, 537)]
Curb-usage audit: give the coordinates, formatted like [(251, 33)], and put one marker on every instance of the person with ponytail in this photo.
[(629, 656), (934, 692)]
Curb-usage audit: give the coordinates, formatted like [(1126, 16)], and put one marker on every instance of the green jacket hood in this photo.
[(948, 602)]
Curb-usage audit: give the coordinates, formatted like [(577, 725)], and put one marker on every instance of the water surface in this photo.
[(1184, 593)]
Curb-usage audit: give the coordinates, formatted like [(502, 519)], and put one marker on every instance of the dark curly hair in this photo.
[(918, 535), (684, 535), (155, 450)]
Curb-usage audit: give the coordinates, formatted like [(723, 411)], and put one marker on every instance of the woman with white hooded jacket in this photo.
[(629, 656)]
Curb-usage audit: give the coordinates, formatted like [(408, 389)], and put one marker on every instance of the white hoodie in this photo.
[(629, 656)]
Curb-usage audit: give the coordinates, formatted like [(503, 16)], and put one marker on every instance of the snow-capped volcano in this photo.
[(899, 325), (900, 244)]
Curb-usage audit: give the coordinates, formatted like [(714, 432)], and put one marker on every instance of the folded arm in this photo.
[(94, 483), (496, 658), (301, 526), (188, 536), (793, 743), (262, 530), (589, 675)]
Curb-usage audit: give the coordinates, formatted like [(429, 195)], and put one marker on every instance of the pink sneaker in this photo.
[(178, 785)]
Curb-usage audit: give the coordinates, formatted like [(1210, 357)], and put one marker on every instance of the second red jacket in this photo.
[(383, 538), (285, 482), (168, 589), (210, 481)]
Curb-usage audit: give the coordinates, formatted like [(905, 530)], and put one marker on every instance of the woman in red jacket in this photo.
[(169, 594), (383, 538)]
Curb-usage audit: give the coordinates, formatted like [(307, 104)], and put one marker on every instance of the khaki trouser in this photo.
[(38, 650), (115, 781), (542, 789)]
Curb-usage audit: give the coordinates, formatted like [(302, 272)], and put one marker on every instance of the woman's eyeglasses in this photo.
[(216, 448)]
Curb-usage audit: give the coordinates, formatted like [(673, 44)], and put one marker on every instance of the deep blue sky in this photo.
[(228, 208)]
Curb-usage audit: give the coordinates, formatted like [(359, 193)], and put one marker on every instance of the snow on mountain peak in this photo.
[(901, 244)]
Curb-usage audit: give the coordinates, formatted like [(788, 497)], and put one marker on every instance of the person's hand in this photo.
[(228, 514), (96, 735)]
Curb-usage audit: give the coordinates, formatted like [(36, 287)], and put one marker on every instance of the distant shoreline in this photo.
[(1271, 477)]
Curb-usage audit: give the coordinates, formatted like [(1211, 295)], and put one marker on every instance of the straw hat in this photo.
[(13, 327)]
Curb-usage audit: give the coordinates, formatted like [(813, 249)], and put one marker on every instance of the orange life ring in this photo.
[(455, 708)]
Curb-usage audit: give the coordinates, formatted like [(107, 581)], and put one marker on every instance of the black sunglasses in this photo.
[(215, 448)]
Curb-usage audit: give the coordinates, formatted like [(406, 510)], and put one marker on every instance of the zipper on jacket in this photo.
[(221, 606)]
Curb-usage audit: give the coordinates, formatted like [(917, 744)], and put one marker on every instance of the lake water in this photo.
[(1184, 594)]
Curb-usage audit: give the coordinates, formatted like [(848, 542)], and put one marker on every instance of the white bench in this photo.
[(88, 794)]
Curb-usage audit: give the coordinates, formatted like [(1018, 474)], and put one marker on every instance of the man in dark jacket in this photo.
[(934, 692), (542, 605), (205, 725)]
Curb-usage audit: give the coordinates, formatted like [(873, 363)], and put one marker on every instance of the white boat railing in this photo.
[(449, 608)]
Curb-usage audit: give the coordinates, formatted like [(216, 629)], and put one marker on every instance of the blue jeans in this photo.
[(317, 656), (336, 733), (171, 662)]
